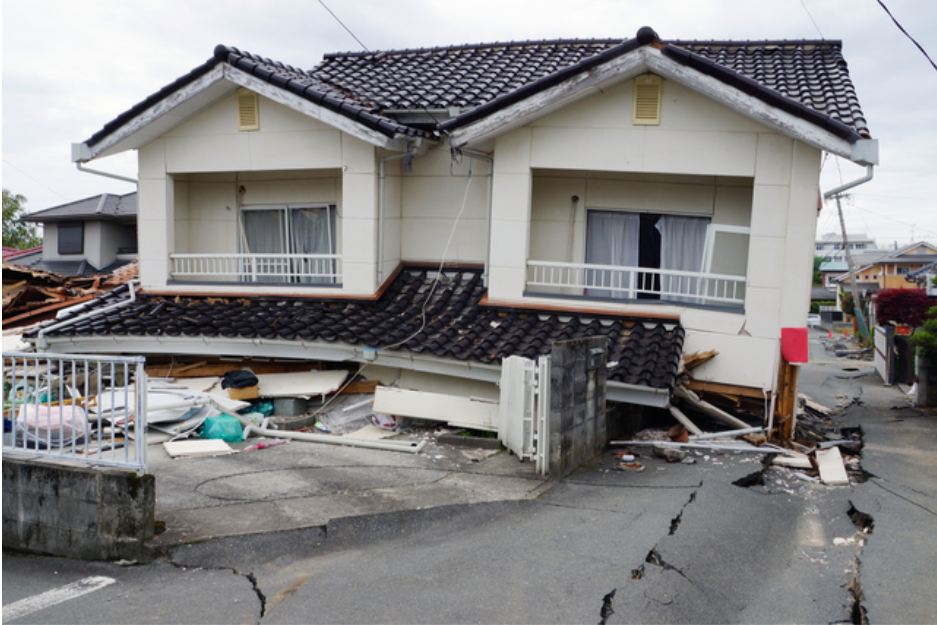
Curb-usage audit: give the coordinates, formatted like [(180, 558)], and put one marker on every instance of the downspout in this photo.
[(106, 174), (42, 344), (491, 178), (380, 223), (857, 309)]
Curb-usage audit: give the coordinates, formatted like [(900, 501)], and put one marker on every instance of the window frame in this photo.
[(286, 233)]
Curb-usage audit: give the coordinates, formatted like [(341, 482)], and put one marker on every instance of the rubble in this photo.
[(31, 295)]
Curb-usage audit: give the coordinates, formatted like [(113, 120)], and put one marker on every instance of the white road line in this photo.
[(47, 599)]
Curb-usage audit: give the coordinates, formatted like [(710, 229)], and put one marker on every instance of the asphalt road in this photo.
[(675, 543)]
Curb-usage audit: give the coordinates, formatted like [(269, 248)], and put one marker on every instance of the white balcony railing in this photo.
[(266, 268), (615, 282)]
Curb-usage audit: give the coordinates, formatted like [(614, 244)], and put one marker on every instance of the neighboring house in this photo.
[(891, 270), (661, 193), (88, 237), (831, 270), (830, 246), (11, 253), (923, 278)]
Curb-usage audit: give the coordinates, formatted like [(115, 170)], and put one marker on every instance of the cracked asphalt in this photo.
[(675, 543)]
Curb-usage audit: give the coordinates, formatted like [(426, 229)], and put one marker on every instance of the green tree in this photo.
[(817, 276), (16, 233)]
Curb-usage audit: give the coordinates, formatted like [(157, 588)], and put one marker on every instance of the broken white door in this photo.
[(525, 408)]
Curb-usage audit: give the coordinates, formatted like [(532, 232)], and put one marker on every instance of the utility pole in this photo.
[(857, 309)]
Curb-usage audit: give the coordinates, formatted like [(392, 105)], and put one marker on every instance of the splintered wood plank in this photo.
[(832, 469), (366, 386), (185, 370)]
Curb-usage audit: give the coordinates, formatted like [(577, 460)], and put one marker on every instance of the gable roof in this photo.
[(897, 256), (459, 326), (808, 79), (105, 206)]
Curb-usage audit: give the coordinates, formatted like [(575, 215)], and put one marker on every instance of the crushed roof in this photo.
[(104, 206), (458, 326), (808, 78)]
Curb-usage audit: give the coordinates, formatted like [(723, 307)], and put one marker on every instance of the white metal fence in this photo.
[(271, 268), (84, 408), (629, 282)]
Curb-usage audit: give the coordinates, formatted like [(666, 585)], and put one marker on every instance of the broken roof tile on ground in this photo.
[(457, 325)]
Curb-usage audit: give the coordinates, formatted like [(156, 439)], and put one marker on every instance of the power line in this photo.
[(47, 188), (804, 4), (343, 25), (901, 28), (390, 74)]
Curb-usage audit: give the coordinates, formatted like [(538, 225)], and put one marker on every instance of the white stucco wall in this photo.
[(432, 196), (189, 178), (725, 165)]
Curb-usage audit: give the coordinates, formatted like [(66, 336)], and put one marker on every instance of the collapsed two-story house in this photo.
[(661, 193)]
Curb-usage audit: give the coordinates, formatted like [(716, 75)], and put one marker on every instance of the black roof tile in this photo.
[(809, 78), (457, 325)]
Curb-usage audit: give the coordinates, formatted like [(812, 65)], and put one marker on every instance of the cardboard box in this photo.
[(250, 392)]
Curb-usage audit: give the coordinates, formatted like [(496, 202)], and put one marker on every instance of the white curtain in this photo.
[(264, 233), (681, 249), (307, 231), (312, 231), (612, 238)]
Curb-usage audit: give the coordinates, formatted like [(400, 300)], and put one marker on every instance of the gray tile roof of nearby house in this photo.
[(923, 271), (822, 294), (105, 206), (458, 325), (69, 267), (808, 79)]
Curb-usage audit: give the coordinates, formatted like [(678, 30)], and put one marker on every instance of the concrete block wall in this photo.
[(76, 512), (578, 422)]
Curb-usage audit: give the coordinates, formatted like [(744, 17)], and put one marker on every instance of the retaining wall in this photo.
[(62, 509)]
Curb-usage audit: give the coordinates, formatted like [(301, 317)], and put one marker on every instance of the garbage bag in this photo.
[(238, 378), (225, 427), (56, 425)]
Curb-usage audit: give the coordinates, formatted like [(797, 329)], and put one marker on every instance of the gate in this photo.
[(525, 409)]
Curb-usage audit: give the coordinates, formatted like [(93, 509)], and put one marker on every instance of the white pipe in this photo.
[(42, 344), (764, 449), (491, 178), (106, 174), (380, 213), (730, 434), (413, 448), (869, 172)]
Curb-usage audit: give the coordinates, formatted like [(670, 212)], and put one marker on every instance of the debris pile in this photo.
[(31, 295)]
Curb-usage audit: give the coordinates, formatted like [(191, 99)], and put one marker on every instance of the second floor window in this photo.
[(647, 241), (71, 235), (303, 232)]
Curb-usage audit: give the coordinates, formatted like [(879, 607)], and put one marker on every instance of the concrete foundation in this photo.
[(62, 509)]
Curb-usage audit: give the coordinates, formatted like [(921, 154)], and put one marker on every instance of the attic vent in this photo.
[(647, 100), (248, 111)]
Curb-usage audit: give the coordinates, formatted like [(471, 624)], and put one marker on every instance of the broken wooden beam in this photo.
[(685, 420), (694, 360), (708, 409)]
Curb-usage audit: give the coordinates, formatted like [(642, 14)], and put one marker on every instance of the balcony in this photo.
[(635, 283), (279, 269)]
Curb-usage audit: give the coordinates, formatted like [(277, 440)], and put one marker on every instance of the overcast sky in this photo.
[(70, 67)]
